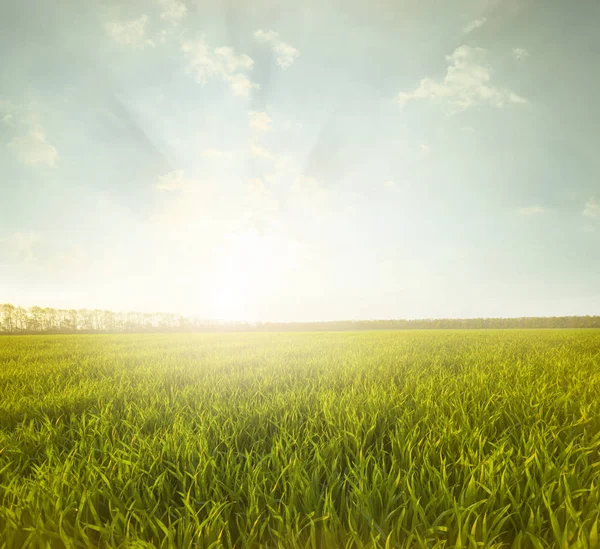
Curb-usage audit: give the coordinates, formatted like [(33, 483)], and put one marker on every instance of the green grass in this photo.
[(313, 440)]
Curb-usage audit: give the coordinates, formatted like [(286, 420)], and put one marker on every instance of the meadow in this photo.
[(301, 440)]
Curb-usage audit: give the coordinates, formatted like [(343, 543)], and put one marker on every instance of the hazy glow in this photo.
[(223, 161)]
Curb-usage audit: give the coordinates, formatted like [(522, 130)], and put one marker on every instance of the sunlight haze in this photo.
[(301, 160)]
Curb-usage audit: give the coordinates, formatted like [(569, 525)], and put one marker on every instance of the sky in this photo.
[(262, 160)]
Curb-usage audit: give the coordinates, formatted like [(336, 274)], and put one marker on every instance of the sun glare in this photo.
[(246, 267)]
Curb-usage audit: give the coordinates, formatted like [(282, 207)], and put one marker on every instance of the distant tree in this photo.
[(8, 317), (73, 319), (42, 320)]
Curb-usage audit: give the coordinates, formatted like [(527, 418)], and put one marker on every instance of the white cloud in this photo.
[(531, 210), (241, 85), (425, 149), (28, 141), (259, 121), (173, 13), (591, 208), (34, 149), (467, 83), (173, 181), (230, 61), (258, 151), (389, 183), (470, 27), (286, 54), (173, 10), (221, 63), (520, 53), (129, 33)]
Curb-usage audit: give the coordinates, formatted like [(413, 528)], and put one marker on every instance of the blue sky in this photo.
[(301, 161)]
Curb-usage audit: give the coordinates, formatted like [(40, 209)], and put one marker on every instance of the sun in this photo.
[(247, 265)]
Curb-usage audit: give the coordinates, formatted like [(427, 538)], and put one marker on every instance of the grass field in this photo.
[(313, 440)]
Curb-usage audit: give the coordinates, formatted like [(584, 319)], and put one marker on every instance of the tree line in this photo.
[(33, 320)]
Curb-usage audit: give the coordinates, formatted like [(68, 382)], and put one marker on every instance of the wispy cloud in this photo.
[(29, 141), (8, 113), (286, 54), (259, 121), (471, 26), (130, 33), (172, 13), (258, 151), (531, 210), (34, 149), (221, 63), (520, 53), (467, 83), (172, 10), (591, 208)]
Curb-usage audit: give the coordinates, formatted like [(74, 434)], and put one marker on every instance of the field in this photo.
[(312, 440)]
